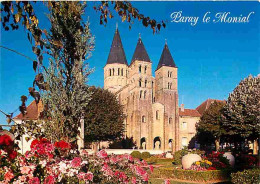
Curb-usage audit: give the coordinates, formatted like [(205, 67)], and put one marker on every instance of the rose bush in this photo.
[(51, 163)]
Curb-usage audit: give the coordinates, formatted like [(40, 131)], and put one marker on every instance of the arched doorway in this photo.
[(170, 143), (143, 143), (157, 143)]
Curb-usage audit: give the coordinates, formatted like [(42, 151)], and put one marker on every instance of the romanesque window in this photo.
[(168, 85), (118, 71), (122, 72), (140, 68), (143, 119), (110, 72), (145, 83), (168, 73), (171, 74), (170, 120), (145, 69), (157, 115), (141, 92), (113, 71), (140, 82), (184, 125), (144, 94)]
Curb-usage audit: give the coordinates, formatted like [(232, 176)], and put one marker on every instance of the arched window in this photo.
[(171, 74), (143, 119), (170, 120), (168, 85), (145, 83), (140, 82), (118, 73), (157, 114), (110, 72), (144, 94), (122, 72), (140, 68), (141, 92), (145, 69), (113, 71), (168, 73)]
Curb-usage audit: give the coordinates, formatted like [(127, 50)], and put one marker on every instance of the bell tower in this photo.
[(116, 69), (166, 92)]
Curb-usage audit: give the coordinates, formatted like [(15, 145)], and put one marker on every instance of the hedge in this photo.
[(136, 154), (191, 175), (145, 155), (251, 176)]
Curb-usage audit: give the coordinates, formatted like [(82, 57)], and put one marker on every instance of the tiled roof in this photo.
[(189, 112), (33, 111), (166, 58), (117, 53), (205, 105), (140, 52)]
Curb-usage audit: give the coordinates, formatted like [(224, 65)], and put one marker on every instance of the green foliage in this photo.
[(104, 118), (242, 115), (209, 128), (191, 175), (152, 160), (246, 177), (136, 154), (145, 155), (70, 43), (123, 143)]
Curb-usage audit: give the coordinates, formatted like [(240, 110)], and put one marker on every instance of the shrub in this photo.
[(151, 160), (250, 176), (136, 154), (179, 154), (191, 175), (145, 155)]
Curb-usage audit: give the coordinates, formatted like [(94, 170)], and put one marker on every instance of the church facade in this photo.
[(150, 102)]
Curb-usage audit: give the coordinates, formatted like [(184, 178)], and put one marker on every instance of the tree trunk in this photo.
[(95, 147), (255, 147), (217, 144)]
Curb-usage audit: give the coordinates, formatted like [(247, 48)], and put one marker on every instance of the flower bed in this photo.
[(191, 175), (250, 176), (51, 163)]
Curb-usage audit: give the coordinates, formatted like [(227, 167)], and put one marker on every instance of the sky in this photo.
[(212, 58)]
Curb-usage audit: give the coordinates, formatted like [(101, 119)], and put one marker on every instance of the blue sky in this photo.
[(212, 58)]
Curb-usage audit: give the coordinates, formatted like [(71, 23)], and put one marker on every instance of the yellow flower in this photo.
[(197, 163)]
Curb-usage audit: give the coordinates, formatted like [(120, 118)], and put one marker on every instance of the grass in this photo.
[(161, 181)]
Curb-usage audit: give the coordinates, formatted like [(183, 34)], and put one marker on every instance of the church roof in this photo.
[(117, 53), (140, 52), (166, 58), (205, 105)]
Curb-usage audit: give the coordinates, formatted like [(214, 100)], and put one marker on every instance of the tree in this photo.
[(242, 115), (104, 118), (69, 44), (211, 123)]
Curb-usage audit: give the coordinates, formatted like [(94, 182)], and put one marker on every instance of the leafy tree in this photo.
[(69, 44), (123, 143), (211, 123), (104, 118), (242, 114)]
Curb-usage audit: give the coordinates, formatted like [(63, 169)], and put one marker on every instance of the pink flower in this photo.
[(22, 178), (151, 168), (167, 181), (49, 180), (76, 162), (8, 176), (145, 177), (34, 180), (102, 154), (89, 176), (144, 163), (133, 180), (25, 169)]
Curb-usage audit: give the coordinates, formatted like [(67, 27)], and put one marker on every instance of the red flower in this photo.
[(12, 155), (76, 162), (34, 142), (211, 168), (8, 176), (62, 145), (6, 140), (34, 180), (49, 180)]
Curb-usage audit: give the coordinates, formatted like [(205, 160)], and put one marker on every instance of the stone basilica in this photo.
[(150, 103)]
